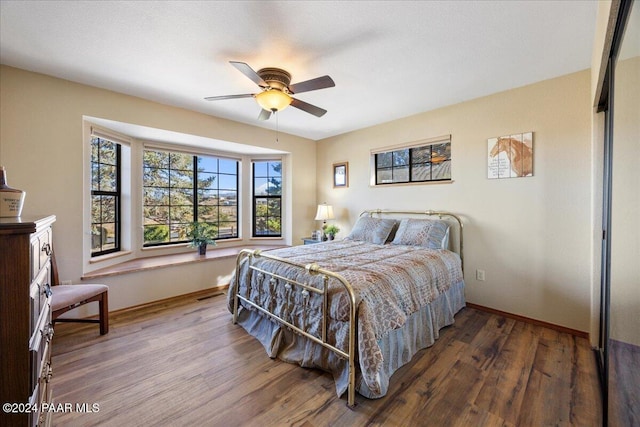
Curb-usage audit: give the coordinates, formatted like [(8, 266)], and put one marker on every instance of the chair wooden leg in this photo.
[(104, 313)]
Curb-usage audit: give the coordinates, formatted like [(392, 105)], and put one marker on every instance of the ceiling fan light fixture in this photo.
[(273, 100)]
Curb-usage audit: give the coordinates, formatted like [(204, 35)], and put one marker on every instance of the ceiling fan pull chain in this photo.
[(275, 113)]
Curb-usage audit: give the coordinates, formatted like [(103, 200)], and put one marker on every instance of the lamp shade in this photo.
[(324, 212), (273, 100)]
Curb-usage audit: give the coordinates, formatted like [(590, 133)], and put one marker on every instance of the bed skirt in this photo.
[(398, 346)]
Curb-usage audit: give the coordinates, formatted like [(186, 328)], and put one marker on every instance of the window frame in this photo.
[(411, 162), (254, 198), (194, 192), (117, 194)]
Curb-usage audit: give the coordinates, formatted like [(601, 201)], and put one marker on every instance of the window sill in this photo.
[(161, 261)]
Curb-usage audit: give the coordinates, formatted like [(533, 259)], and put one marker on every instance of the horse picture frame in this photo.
[(510, 156)]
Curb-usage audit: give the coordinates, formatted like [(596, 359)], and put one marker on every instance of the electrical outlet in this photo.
[(480, 275), (66, 282)]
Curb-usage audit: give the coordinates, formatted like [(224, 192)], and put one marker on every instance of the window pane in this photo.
[(401, 157), (181, 214), (156, 196), (155, 177), (228, 166), (260, 186), (108, 153), (108, 236), (207, 164), (108, 206), (156, 159), (228, 213), (260, 169), (228, 229), (274, 187), (275, 169), (180, 179), (95, 176), (421, 172), (108, 178), (156, 215), (208, 213), (207, 180), (156, 233), (96, 209), (421, 154), (401, 174), (383, 176), (228, 182), (229, 198), (180, 196), (181, 161), (441, 170), (207, 197), (384, 160), (440, 152)]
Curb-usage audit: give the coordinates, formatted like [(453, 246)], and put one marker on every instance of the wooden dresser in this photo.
[(25, 320)]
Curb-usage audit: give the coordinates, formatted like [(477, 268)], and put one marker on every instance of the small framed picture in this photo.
[(341, 174)]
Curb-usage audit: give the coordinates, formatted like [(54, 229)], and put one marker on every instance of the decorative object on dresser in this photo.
[(11, 199), (68, 297), (25, 319)]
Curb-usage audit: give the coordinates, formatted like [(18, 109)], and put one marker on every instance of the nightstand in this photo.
[(310, 241)]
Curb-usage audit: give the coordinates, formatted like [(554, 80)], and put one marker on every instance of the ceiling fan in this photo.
[(277, 90)]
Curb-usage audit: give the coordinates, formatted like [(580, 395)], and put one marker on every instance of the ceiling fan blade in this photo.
[(313, 84), (218, 98), (249, 72), (264, 115), (311, 109)]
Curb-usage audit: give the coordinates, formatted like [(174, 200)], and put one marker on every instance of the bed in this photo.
[(360, 307)]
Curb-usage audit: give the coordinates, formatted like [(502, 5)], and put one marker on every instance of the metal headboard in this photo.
[(439, 214)]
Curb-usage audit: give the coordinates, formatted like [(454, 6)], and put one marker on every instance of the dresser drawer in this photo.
[(40, 295), (40, 251), (39, 345)]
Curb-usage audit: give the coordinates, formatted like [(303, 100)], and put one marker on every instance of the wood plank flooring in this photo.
[(183, 363)]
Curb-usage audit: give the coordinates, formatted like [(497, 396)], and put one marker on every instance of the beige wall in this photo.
[(532, 236), (41, 147)]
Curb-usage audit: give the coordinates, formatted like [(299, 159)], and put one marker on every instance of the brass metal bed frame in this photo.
[(290, 286)]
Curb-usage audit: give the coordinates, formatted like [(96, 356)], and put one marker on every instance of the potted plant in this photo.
[(331, 231), (201, 235)]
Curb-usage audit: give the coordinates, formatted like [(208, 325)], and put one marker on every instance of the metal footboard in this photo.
[(291, 287)]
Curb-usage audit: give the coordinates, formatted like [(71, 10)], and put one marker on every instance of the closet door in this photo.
[(623, 382)]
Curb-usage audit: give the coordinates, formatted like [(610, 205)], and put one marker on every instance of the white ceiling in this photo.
[(389, 59)]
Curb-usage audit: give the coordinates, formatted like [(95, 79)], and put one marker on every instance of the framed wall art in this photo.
[(510, 156), (340, 175)]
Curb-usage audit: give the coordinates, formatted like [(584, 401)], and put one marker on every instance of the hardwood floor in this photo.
[(624, 384), (183, 363)]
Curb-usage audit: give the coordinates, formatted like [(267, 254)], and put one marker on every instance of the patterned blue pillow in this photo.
[(372, 230), (429, 233)]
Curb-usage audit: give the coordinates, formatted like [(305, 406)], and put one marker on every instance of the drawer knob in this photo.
[(47, 332), (49, 373), (46, 289), (46, 248)]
